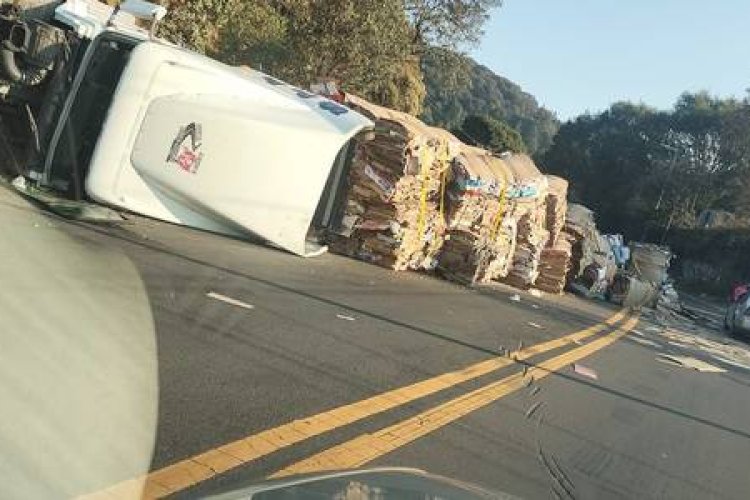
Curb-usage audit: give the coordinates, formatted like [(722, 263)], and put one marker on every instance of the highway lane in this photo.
[(325, 332)]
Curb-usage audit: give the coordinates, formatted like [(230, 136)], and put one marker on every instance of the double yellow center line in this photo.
[(368, 447), (363, 449)]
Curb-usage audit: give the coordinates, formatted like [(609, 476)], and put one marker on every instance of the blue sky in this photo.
[(579, 55)]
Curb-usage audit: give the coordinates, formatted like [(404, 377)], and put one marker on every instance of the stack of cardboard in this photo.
[(553, 266), (557, 205), (592, 264), (580, 226), (554, 259), (393, 213), (528, 195), (476, 246)]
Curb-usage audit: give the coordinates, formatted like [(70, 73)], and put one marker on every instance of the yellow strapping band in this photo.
[(501, 211)]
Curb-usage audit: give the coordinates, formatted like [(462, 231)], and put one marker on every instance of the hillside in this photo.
[(485, 93)]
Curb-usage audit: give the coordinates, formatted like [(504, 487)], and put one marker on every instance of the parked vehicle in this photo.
[(737, 319)]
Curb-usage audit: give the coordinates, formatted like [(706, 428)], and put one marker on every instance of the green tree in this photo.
[(372, 47), (448, 23), (197, 24), (491, 134), (450, 99)]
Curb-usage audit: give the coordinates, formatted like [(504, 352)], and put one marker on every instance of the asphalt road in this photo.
[(294, 338)]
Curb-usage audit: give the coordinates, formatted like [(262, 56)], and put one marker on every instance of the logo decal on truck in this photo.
[(186, 153)]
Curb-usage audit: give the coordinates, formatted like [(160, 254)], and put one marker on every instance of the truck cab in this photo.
[(139, 124)]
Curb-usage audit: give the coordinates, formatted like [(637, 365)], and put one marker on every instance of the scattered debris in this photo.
[(70, 209), (515, 298), (705, 341), (732, 362), (689, 362), (585, 371), (653, 329), (534, 306), (535, 325), (520, 345), (535, 293), (532, 409), (345, 317), (229, 300)]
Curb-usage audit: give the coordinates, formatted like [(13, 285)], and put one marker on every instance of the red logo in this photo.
[(186, 153)]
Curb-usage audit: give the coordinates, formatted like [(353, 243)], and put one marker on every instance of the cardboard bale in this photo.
[(393, 212), (529, 213), (476, 246)]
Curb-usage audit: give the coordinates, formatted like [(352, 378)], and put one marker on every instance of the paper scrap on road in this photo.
[(229, 300), (710, 343), (535, 293), (345, 317), (585, 371), (732, 362), (515, 298), (535, 325), (688, 362), (534, 306)]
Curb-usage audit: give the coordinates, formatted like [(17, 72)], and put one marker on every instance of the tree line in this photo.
[(373, 47), (646, 172)]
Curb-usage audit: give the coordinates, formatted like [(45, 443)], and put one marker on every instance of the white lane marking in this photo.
[(644, 341), (230, 300)]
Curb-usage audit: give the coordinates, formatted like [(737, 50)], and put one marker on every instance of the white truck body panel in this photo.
[(88, 18), (195, 142)]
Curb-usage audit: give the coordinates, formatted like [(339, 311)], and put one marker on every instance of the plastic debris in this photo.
[(585, 371)]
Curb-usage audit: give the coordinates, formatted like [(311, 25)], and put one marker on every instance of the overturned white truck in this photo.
[(111, 114)]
